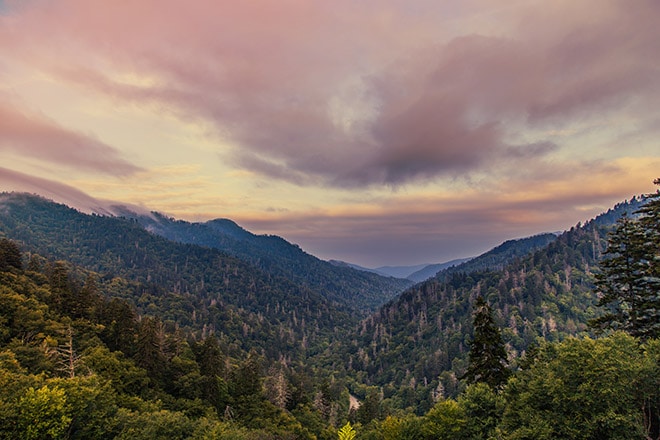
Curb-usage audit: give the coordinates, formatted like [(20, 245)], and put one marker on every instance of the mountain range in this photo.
[(259, 293)]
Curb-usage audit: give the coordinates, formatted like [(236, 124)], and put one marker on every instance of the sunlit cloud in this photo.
[(277, 81), (34, 135), (340, 117)]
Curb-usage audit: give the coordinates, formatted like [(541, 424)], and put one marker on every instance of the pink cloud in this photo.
[(14, 181), (21, 182), (264, 74), (35, 135)]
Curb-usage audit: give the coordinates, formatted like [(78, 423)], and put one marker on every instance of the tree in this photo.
[(446, 421), (487, 358), (10, 255), (629, 281), (620, 281), (43, 414), (649, 307), (67, 359), (370, 409), (150, 348), (483, 410), (276, 387)]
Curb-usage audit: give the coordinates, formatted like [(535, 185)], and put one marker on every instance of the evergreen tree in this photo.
[(629, 281), (620, 281), (649, 306), (10, 255), (487, 358)]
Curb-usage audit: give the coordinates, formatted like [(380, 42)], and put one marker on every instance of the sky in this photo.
[(379, 132)]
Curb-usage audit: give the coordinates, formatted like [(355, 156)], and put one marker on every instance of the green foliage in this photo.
[(176, 341), (370, 408), (446, 421), (483, 408), (43, 414), (402, 428), (581, 389), (157, 425), (346, 432)]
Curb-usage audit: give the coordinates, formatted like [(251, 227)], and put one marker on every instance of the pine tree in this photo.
[(620, 281), (629, 281), (649, 304), (10, 255), (487, 357)]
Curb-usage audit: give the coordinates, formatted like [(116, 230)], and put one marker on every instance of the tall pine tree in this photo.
[(487, 358), (629, 278), (649, 307)]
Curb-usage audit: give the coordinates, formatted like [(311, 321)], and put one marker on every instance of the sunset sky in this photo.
[(372, 131)]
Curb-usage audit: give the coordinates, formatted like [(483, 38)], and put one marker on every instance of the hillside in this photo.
[(415, 346), (78, 363), (197, 288), (362, 292), (500, 256)]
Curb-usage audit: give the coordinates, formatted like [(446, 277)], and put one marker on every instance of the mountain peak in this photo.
[(229, 227)]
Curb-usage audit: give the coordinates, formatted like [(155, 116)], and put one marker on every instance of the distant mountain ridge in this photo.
[(201, 289), (360, 291), (432, 269), (416, 273)]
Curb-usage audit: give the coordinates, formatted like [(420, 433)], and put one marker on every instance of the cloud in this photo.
[(14, 181), (34, 135), (405, 229), (356, 94), (21, 182)]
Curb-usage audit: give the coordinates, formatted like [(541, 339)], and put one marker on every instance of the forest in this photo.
[(108, 331)]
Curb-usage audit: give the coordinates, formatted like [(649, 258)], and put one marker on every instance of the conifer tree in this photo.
[(487, 357), (649, 307), (10, 255), (629, 281)]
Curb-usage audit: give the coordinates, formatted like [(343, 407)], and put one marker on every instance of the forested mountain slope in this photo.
[(78, 363), (500, 256), (193, 287), (415, 346), (362, 292)]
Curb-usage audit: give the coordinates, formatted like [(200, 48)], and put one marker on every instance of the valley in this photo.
[(291, 340)]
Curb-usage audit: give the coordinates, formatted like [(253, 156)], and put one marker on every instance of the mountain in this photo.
[(361, 292), (399, 271), (415, 346), (198, 289), (417, 273), (432, 270)]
